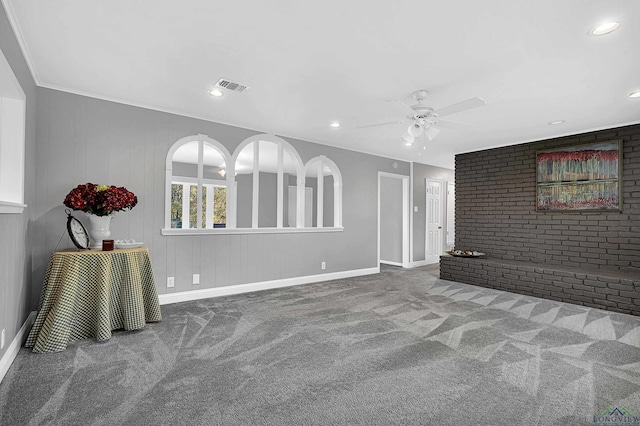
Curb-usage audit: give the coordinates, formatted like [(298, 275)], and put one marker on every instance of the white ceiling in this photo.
[(308, 63)]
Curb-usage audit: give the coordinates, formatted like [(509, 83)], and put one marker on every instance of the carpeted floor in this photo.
[(400, 347)]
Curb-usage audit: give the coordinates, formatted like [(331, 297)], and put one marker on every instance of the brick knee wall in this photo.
[(596, 289)]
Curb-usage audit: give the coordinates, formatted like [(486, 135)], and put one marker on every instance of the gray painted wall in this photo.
[(420, 173), (83, 139), (15, 230), (390, 219)]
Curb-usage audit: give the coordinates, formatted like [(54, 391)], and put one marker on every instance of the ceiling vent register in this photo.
[(230, 85)]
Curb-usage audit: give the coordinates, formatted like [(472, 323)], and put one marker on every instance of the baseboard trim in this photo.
[(14, 347), (387, 262), (419, 263), (186, 296)]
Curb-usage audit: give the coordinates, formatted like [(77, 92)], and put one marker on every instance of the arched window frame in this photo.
[(202, 140), (337, 189), (231, 199), (300, 182)]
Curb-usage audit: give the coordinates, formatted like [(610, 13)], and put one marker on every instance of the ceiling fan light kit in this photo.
[(415, 129), (423, 119), (408, 140)]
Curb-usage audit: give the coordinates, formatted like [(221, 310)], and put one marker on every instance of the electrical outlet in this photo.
[(2, 339), (196, 279), (323, 265), (171, 282)]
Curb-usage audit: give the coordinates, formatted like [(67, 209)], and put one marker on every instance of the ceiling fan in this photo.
[(424, 119)]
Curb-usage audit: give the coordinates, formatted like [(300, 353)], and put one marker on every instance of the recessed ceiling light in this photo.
[(216, 92), (553, 123), (335, 124), (634, 95), (606, 28)]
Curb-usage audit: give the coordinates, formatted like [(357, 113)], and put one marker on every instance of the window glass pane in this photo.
[(289, 195), (193, 206), (185, 160), (328, 199), (219, 207), (176, 205), (244, 187), (268, 185), (213, 162)]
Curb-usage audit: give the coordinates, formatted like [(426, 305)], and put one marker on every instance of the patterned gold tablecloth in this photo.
[(89, 293)]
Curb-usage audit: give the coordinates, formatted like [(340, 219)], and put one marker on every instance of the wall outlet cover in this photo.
[(171, 282)]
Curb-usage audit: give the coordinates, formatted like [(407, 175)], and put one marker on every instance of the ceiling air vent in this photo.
[(230, 85)]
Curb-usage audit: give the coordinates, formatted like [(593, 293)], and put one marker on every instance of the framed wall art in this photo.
[(580, 178)]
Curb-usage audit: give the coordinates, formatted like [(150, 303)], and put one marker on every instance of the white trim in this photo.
[(186, 296), (411, 214), (14, 347), (292, 230), (419, 263), (280, 188), (443, 212), (255, 186), (405, 223), (17, 31), (8, 207), (387, 262)]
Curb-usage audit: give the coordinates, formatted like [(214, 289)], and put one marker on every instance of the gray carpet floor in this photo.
[(399, 347)]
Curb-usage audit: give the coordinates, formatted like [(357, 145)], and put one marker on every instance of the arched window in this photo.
[(197, 184), (263, 187), (327, 179), (266, 168)]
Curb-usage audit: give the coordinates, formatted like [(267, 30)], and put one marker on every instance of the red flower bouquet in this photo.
[(100, 200)]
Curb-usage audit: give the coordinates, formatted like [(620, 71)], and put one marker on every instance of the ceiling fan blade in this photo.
[(431, 132), (407, 107), (454, 124), (380, 124), (460, 106)]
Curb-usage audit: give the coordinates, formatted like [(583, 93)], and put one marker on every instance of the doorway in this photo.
[(393, 219), (434, 245)]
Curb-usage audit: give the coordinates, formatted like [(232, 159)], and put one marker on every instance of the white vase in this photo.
[(99, 229)]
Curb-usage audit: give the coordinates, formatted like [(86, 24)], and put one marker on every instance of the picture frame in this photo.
[(580, 178)]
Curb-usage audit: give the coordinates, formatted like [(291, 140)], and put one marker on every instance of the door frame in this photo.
[(405, 217), (443, 210)]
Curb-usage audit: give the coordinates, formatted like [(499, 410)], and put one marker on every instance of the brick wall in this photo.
[(495, 211)]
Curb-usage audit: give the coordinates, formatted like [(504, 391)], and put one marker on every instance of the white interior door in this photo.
[(434, 243)]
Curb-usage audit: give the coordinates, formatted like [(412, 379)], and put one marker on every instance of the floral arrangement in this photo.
[(100, 200)]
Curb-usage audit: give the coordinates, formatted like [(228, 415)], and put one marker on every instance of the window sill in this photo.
[(11, 208), (229, 231)]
